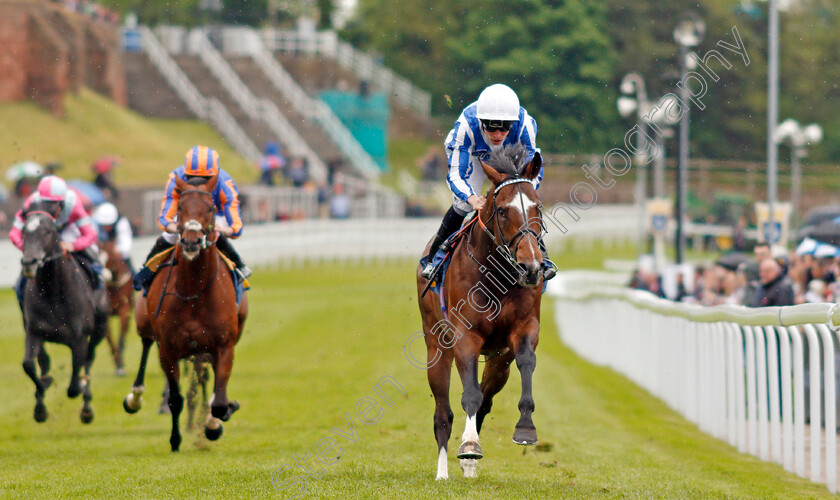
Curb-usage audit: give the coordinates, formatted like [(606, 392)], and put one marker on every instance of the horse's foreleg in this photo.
[(86, 414), (44, 364), (466, 358), (134, 400), (176, 401), (495, 376), (32, 350), (525, 432), (80, 355), (125, 316), (438, 375), (114, 348), (222, 366)]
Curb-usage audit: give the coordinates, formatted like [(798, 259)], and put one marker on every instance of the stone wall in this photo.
[(48, 51)]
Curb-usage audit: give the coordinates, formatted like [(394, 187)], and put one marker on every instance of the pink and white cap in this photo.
[(52, 188)]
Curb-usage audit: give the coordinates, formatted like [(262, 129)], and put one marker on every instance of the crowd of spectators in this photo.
[(808, 274), (92, 10)]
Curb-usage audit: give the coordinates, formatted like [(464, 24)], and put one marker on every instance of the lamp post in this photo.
[(633, 83), (797, 136), (688, 33)]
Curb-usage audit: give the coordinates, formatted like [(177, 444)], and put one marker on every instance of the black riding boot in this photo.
[(224, 245), (451, 222), (549, 268), (144, 276)]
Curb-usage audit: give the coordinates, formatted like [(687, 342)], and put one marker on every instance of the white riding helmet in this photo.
[(497, 102), (106, 214)]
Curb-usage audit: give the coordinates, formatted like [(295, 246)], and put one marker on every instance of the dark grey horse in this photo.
[(59, 306)]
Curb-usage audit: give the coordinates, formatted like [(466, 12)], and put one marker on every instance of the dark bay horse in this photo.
[(120, 296), (58, 306), (191, 310), (492, 294)]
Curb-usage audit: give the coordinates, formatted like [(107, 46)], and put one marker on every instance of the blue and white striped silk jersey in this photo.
[(466, 145), (225, 196)]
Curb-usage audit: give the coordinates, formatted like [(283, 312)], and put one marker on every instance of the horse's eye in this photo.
[(502, 211)]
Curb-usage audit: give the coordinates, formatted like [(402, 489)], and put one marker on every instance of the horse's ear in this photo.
[(181, 184), (533, 168), (211, 182), (495, 177)]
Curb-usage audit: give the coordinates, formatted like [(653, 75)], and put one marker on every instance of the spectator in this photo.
[(103, 169), (271, 163), (816, 291), (762, 251), (297, 172), (774, 289), (340, 203)]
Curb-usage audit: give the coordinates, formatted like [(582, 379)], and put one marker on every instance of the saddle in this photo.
[(163, 258), (441, 258)]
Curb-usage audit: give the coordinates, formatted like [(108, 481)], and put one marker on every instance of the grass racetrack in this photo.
[(317, 341)]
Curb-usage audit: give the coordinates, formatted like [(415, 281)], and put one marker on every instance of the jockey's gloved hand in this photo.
[(67, 246), (171, 228), (225, 231)]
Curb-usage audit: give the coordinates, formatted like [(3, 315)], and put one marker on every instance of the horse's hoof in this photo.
[(73, 391), (132, 404), (86, 415), (468, 465), (213, 434), (525, 436), (175, 442), (120, 372), (46, 381), (470, 449), (224, 413), (40, 413)]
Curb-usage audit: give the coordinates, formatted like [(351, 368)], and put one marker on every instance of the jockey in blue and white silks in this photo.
[(494, 121), (467, 143)]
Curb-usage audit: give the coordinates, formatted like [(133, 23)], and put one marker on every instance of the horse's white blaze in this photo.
[(443, 466), (32, 224), (470, 430), (468, 465), (521, 201), (192, 225)]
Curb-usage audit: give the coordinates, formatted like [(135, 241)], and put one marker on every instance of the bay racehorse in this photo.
[(191, 310), (60, 306), (120, 296), (492, 292)]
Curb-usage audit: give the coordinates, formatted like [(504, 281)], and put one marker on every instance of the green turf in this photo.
[(318, 340), (94, 126)]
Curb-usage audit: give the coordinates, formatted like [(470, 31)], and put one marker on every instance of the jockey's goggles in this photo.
[(496, 125)]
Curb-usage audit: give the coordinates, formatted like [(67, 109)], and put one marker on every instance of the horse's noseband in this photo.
[(193, 225)]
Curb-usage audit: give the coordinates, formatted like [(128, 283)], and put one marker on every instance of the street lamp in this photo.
[(647, 113), (797, 136), (688, 33), (633, 83)]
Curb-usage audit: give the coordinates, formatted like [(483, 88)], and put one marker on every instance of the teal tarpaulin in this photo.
[(366, 117)]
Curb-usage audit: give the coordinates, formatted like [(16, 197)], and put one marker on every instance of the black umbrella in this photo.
[(826, 232), (732, 260)]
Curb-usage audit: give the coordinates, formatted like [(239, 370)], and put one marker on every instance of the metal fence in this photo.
[(738, 373)]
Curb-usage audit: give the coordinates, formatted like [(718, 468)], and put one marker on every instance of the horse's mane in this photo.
[(197, 180), (509, 160)]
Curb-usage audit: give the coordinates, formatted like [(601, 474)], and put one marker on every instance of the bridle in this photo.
[(193, 225), (509, 247), (38, 263)]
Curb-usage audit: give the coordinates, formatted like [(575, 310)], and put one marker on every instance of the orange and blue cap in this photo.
[(202, 161)]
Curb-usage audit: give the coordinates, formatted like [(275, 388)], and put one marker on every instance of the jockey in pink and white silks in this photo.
[(494, 121), (78, 234)]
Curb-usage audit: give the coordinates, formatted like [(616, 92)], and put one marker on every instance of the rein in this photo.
[(186, 298)]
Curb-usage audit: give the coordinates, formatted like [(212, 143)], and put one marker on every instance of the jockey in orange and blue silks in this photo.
[(200, 161), (78, 235), (494, 121)]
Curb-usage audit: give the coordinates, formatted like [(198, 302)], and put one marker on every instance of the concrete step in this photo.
[(148, 91)]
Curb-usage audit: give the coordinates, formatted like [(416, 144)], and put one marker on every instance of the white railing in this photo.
[(363, 65), (738, 373), (260, 109), (368, 200), (315, 110), (209, 110)]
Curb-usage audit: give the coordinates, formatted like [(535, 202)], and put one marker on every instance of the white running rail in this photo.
[(209, 110), (261, 109), (738, 373)]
